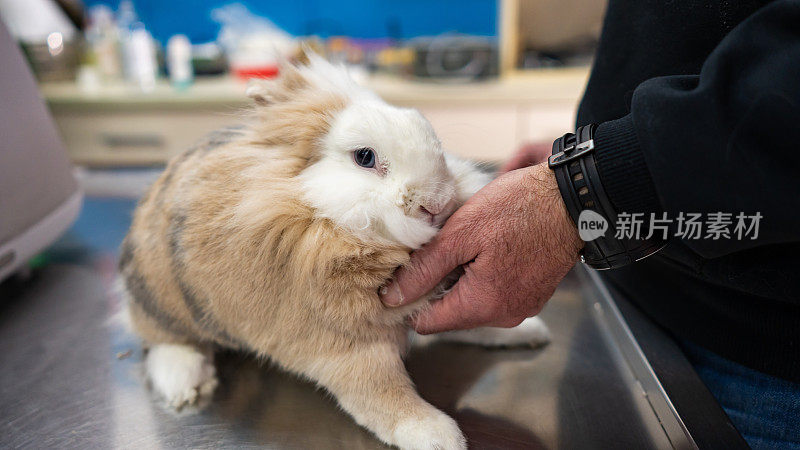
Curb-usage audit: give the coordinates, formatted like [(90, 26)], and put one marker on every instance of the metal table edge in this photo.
[(686, 410)]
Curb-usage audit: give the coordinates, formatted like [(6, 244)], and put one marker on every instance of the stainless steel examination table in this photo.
[(71, 378)]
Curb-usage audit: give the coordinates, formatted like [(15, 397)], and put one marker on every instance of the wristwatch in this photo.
[(573, 161)]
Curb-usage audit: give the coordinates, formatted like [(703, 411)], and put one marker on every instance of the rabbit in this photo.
[(274, 238)]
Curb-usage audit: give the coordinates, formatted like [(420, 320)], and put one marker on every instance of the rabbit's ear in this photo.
[(280, 89)]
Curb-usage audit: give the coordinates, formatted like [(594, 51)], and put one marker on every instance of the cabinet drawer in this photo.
[(134, 138), (146, 137)]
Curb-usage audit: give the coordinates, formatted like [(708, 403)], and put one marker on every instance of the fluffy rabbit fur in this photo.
[(271, 239)]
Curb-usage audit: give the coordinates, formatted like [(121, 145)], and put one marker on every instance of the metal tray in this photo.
[(70, 377)]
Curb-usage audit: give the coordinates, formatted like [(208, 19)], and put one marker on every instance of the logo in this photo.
[(591, 225)]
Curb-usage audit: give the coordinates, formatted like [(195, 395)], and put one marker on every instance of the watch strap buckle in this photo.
[(570, 152)]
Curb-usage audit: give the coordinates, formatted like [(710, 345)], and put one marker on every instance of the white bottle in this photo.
[(102, 37), (142, 59), (179, 61), (126, 18)]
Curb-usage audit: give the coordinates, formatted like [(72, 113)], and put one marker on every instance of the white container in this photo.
[(179, 61), (142, 59)]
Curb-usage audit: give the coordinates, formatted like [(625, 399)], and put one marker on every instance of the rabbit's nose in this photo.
[(428, 215), (432, 210), (437, 213)]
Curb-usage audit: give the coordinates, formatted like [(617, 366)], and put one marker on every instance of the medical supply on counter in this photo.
[(179, 61), (254, 45), (141, 59), (102, 38)]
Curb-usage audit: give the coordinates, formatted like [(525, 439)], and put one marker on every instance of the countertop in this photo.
[(541, 85)]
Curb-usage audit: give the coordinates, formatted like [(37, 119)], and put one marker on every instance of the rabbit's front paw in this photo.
[(181, 375), (436, 431), (532, 332)]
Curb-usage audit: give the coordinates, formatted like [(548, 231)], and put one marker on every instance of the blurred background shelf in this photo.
[(117, 124), (128, 85)]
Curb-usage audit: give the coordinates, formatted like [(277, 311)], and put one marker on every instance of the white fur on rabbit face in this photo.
[(408, 193)]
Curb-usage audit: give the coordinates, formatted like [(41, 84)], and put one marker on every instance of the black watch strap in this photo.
[(573, 161)]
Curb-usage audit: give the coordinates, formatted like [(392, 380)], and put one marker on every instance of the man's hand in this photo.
[(516, 242)]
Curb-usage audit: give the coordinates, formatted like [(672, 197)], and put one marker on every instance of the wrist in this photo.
[(549, 199)]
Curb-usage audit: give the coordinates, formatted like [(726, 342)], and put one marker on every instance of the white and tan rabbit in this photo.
[(275, 238)]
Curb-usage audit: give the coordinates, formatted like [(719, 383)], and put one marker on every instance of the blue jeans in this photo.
[(765, 409)]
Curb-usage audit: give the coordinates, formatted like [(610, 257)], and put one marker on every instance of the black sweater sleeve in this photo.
[(725, 140)]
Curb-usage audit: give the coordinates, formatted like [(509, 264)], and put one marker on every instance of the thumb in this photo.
[(424, 271)]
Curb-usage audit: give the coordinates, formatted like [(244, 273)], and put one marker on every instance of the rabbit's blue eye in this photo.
[(364, 157)]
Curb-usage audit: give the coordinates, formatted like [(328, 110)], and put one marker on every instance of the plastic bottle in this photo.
[(126, 18), (142, 58), (102, 37), (179, 61)]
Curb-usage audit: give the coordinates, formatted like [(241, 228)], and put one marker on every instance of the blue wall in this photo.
[(355, 18)]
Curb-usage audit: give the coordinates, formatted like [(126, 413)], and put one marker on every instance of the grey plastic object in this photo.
[(39, 197)]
